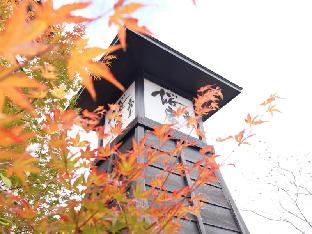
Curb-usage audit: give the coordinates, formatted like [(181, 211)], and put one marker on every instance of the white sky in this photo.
[(263, 46)]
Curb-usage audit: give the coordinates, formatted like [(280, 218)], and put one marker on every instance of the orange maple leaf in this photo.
[(82, 62), (200, 133), (107, 150), (121, 18), (22, 164), (253, 120), (192, 122), (271, 99), (59, 120), (48, 14), (100, 132), (19, 34), (76, 141), (11, 87), (272, 108), (180, 111), (117, 129), (206, 149), (207, 99), (240, 138), (14, 135), (162, 132)]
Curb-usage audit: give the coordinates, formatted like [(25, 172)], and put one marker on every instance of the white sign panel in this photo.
[(160, 104), (127, 111)]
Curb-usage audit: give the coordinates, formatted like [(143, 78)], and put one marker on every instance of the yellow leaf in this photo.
[(59, 92)]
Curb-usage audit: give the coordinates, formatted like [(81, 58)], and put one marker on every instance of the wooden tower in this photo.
[(157, 78)]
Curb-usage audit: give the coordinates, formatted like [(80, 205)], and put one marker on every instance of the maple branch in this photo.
[(280, 219)]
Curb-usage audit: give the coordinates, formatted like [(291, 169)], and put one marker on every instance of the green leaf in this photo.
[(4, 221), (6, 180)]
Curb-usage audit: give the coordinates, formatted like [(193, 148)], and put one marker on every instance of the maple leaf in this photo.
[(39, 94), (5, 119), (162, 132), (59, 120), (48, 71), (59, 92), (139, 193), (19, 35), (240, 138), (253, 120), (76, 141), (87, 153), (82, 62), (205, 88), (121, 18), (219, 139), (180, 145), (22, 165), (180, 111), (14, 135), (192, 122), (100, 132), (48, 14), (207, 99), (272, 108), (90, 115), (117, 129), (200, 133), (271, 99), (11, 87), (207, 149)]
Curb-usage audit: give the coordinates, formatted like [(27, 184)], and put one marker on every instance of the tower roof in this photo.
[(149, 55)]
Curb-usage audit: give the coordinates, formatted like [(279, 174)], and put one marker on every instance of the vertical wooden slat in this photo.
[(139, 96), (139, 130), (187, 177)]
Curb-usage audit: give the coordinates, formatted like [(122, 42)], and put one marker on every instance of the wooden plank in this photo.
[(127, 142), (215, 230), (188, 227), (153, 141), (176, 134), (192, 154), (195, 174), (160, 162), (174, 182), (218, 216), (213, 195), (170, 203)]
